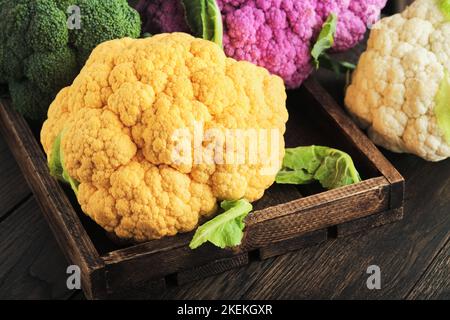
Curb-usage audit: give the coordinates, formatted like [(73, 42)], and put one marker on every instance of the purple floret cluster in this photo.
[(275, 34)]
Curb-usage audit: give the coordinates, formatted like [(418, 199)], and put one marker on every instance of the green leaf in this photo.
[(204, 19), (442, 107), (444, 5), (331, 167), (54, 162), (326, 38), (226, 229), (337, 66), (56, 165)]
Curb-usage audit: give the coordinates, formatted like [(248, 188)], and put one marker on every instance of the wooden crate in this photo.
[(286, 218)]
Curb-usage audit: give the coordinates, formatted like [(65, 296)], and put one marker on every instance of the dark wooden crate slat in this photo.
[(339, 231), (303, 241), (32, 266), (318, 200), (60, 215), (372, 221), (149, 247), (136, 270), (149, 289), (211, 268), (301, 221)]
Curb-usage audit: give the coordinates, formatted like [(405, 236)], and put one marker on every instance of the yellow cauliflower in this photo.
[(117, 122)]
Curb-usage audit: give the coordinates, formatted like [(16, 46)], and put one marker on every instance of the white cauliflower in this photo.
[(400, 89)]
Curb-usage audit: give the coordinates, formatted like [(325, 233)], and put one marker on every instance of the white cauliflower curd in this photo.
[(400, 91)]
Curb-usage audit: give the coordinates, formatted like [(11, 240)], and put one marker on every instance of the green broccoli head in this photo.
[(47, 27), (28, 99), (118, 20), (39, 54), (49, 69), (14, 48)]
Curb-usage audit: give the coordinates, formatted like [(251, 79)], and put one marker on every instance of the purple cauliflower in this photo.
[(275, 34)]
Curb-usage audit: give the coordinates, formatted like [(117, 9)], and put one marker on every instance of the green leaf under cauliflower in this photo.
[(204, 19), (444, 5), (331, 167), (442, 107), (337, 66), (326, 38), (56, 165), (226, 229)]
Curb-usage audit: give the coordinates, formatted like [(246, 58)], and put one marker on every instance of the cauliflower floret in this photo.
[(393, 90), (118, 121), (275, 34)]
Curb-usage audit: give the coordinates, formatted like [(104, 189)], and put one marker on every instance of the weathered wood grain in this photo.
[(148, 289), (211, 268), (366, 223), (435, 282), (13, 188), (314, 213), (31, 264), (303, 241), (228, 285), (120, 273)]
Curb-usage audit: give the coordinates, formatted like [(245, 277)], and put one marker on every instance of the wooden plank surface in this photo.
[(230, 285), (31, 264), (435, 282), (13, 189)]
